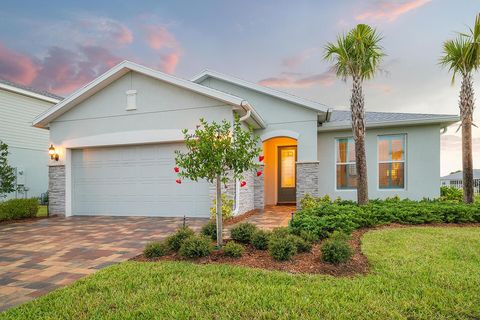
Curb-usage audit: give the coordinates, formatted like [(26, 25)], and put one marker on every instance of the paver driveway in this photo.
[(40, 256)]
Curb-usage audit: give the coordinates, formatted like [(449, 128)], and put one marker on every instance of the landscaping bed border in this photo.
[(302, 263)]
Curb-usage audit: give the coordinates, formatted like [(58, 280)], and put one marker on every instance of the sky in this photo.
[(61, 45)]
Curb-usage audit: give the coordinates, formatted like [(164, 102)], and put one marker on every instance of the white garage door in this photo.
[(134, 181)]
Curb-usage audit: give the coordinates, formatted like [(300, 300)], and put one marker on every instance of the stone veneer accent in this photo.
[(259, 185), (247, 193), (56, 190), (307, 179)]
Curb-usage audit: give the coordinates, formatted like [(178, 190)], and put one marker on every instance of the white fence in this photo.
[(459, 184)]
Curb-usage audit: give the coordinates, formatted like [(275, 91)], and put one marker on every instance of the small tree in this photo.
[(218, 152), (7, 173)]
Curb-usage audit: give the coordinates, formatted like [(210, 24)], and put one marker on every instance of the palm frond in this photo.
[(357, 53), (462, 54)]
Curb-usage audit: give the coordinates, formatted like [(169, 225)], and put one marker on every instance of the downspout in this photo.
[(247, 116), (249, 110), (237, 198), (251, 113)]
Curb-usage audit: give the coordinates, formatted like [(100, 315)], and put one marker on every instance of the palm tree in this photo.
[(357, 55), (462, 56)]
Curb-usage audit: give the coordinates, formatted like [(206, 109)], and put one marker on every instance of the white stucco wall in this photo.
[(161, 107), (422, 163), (279, 115)]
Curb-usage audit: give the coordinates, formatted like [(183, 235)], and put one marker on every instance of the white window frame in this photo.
[(404, 161), (337, 139)]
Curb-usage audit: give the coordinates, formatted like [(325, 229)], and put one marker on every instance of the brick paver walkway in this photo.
[(272, 217), (38, 257)]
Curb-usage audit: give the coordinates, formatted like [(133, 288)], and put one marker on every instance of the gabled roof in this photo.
[(29, 91), (459, 175), (341, 119), (123, 68), (265, 90)]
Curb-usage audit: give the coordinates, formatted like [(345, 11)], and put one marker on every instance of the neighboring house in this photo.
[(456, 180), (27, 145), (117, 135)]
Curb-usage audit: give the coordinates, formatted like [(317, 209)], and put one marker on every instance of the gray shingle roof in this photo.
[(459, 175), (42, 92), (374, 117)]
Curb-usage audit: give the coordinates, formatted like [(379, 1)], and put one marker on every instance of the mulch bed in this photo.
[(302, 262), (26, 220)]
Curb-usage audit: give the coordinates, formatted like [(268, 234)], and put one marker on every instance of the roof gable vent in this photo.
[(131, 100)]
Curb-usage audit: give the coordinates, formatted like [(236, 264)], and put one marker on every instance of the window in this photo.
[(287, 167), (345, 163), (391, 161)]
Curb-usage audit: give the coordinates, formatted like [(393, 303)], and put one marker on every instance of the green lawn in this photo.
[(417, 273)]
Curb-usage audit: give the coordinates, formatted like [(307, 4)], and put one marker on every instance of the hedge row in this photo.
[(322, 216), (18, 209)]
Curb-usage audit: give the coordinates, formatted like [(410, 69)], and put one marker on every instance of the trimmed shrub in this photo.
[(18, 209), (281, 232), (336, 249), (210, 230), (448, 193), (176, 240), (346, 216), (195, 247), (309, 201), (227, 208), (243, 232), (233, 249), (309, 236), (282, 248), (260, 239), (155, 250), (301, 244)]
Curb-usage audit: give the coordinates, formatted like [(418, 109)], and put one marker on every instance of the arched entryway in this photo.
[(280, 170)]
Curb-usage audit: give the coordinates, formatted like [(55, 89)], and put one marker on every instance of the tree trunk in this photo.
[(219, 212), (466, 116), (358, 128)]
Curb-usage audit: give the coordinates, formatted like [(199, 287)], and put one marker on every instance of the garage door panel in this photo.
[(134, 180)]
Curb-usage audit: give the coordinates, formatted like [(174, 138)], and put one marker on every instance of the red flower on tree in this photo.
[(260, 158), (178, 181), (259, 173), (243, 183), (176, 169)]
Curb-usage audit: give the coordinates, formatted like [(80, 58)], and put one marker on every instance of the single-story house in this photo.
[(27, 145), (116, 138)]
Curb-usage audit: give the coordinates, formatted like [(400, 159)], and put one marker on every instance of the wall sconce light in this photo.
[(53, 153)]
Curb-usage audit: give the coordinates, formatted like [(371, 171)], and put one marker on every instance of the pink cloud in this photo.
[(390, 10), (298, 59), (63, 71), (93, 45), (123, 35), (297, 80), (158, 37), (94, 30), (385, 88), (16, 67), (163, 42), (169, 62)]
